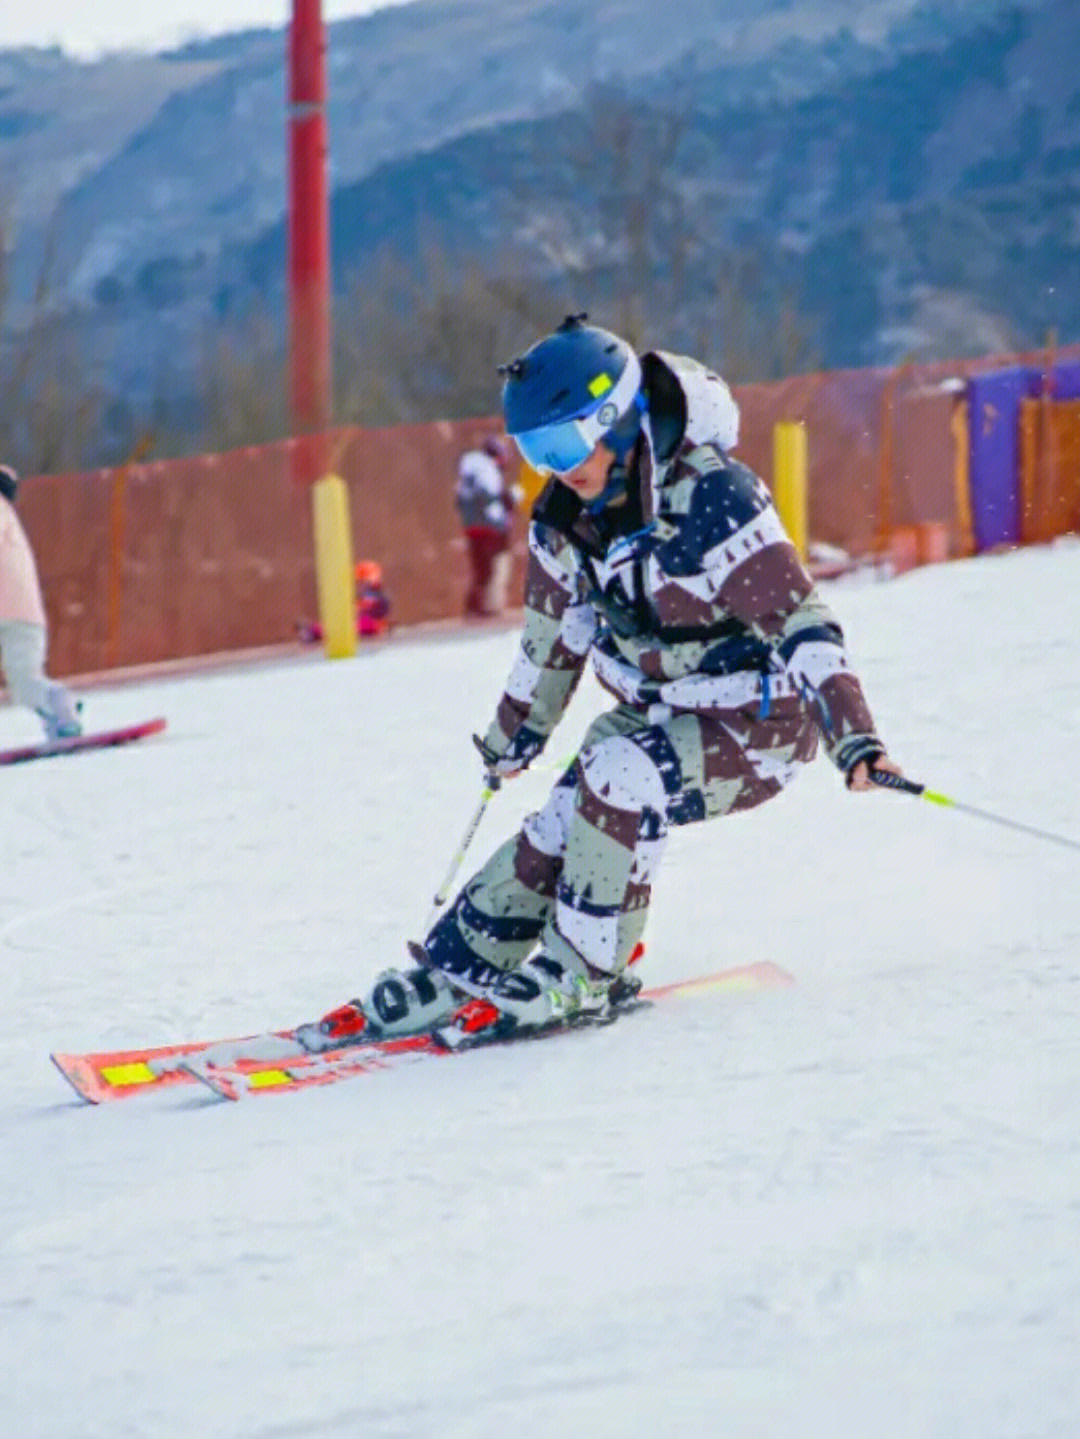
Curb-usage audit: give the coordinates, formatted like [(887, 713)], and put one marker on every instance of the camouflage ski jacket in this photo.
[(686, 592)]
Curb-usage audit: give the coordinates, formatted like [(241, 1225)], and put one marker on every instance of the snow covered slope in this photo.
[(850, 1208)]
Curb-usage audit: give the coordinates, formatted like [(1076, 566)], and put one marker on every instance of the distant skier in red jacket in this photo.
[(486, 502)]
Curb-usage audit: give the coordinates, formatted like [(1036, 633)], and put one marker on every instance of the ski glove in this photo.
[(518, 755), (855, 750)]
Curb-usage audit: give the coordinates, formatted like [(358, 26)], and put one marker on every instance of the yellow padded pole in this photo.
[(531, 482), (334, 566), (960, 426), (790, 480)]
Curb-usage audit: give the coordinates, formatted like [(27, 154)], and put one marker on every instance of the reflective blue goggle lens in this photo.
[(556, 449)]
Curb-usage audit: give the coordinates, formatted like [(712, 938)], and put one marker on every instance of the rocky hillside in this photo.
[(924, 204), (907, 170)]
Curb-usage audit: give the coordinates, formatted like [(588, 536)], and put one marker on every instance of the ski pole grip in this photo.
[(887, 780)]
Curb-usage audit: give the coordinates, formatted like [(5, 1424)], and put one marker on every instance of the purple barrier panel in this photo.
[(1065, 382), (994, 471)]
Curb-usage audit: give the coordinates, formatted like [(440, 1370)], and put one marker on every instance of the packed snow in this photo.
[(849, 1208)]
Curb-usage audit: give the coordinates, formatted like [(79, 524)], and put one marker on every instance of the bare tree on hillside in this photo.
[(748, 326), (424, 343), (638, 248), (244, 396), (646, 239), (50, 413)]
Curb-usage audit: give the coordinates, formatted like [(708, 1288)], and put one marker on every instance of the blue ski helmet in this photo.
[(567, 392), (9, 483)]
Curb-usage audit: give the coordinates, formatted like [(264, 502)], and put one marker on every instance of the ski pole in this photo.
[(491, 784), (907, 786)]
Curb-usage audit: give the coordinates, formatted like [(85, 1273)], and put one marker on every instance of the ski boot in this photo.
[(544, 992), (540, 994), (61, 719), (400, 1002)]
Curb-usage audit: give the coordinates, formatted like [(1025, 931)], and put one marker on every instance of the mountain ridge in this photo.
[(909, 170)]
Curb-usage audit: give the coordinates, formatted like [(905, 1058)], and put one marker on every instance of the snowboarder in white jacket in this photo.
[(658, 556), (23, 627)]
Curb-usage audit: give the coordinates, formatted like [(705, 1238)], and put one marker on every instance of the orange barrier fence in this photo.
[(1049, 467), (213, 553), (189, 557), (163, 560), (889, 451)]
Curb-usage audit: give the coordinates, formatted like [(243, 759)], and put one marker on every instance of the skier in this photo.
[(657, 554), (23, 632), (486, 501), (372, 599), (372, 606)]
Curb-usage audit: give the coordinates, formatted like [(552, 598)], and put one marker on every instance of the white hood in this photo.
[(711, 410), (712, 415)]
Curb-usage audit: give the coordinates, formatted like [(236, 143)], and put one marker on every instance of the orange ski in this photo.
[(276, 1061)]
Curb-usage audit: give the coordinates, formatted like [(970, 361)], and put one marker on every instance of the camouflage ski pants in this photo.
[(577, 877)]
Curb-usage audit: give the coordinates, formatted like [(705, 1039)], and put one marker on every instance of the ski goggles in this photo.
[(558, 449)]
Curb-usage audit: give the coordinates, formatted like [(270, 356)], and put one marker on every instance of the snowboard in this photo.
[(100, 739), (276, 1061)]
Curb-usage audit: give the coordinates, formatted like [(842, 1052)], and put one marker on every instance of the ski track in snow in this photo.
[(849, 1208)]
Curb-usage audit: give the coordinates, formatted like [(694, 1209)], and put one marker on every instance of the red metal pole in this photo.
[(309, 228)]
